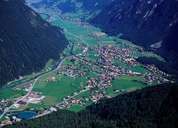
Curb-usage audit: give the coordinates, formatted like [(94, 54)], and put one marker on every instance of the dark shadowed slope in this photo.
[(170, 46), (26, 41), (72, 6), (149, 23), (152, 107), (146, 21)]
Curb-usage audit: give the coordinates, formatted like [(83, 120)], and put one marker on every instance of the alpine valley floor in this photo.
[(93, 66)]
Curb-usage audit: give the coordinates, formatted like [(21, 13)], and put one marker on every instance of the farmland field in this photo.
[(94, 66)]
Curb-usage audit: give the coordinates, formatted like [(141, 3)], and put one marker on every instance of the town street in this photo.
[(6, 110)]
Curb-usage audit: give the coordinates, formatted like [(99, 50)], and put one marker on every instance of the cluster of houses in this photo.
[(33, 98), (108, 72), (156, 76), (97, 96), (109, 52), (72, 71), (4, 103), (104, 79), (68, 103)]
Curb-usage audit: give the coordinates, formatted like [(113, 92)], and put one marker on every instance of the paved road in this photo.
[(36, 80), (6, 110), (48, 112)]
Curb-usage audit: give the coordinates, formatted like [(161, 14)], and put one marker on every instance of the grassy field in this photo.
[(56, 91), (10, 93), (74, 31), (63, 86), (139, 69), (125, 83), (76, 108)]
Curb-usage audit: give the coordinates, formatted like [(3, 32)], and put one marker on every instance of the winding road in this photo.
[(6, 110)]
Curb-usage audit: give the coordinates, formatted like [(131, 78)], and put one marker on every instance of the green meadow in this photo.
[(125, 83), (10, 93), (63, 86), (56, 91)]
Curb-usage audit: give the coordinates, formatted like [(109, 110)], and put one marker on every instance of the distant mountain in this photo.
[(26, 41), (72, 6), (169, 47), (93, 5), (152, 107), (150, 23)]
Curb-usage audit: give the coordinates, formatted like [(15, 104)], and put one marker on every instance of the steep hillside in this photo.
[(93, 5), (90, 7), (146, 21), (169, 47), (152, 107), (150, 23), (26, 41)]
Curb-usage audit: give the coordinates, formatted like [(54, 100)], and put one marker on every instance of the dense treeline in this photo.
[(26, 41), (152, 107), (164, 66), (149, 23)]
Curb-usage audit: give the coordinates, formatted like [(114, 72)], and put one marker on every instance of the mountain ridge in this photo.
[(27, 42), (148, 23)]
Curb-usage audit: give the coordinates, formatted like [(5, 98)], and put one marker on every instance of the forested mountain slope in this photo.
[(90, 7), (26, 41), (149, 23), (152, 107)]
